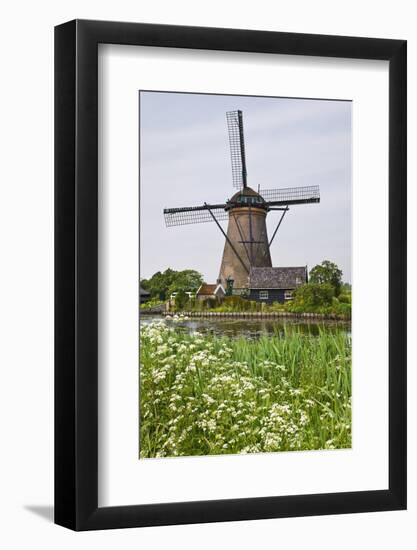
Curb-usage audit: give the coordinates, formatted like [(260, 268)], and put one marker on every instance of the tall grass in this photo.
[(209, 395)]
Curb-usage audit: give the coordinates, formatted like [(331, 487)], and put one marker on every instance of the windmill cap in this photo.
[(247, 197)]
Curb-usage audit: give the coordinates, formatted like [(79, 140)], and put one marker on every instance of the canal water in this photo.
[(250, 328)]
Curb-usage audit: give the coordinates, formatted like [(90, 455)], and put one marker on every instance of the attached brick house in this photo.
[(275, 284)]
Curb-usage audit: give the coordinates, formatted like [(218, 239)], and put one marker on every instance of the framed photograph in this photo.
[(230, 253)]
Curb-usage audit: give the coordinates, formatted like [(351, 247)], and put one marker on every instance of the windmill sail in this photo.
[(237, 148), (194, 214), (246, 238), (291, 195)]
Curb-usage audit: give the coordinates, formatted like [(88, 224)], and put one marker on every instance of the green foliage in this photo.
[(237, 304), (159, 283), (201, 394), (210, 303), (327, 273), (185, 281), (313, 295), (277, 306), (343, 309), (234, 303), (319, 299), (150, 304), (181, 299), (309, 298), (195, 305), (345, 298), (162, 285)]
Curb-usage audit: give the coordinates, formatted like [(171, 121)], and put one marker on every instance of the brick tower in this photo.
[(246, 244)]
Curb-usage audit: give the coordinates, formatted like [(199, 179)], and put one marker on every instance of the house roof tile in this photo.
[(277, 277), (206, 290)]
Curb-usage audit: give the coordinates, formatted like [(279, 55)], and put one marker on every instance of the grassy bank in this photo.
[(236, 304), (207, 395)]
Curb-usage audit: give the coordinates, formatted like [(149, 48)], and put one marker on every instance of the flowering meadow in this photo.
[(203, 394)]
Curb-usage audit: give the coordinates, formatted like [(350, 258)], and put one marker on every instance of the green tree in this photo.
[(162, 284), (186, 280), (327, 273), (159, 283), (313, 295), (181, 299)]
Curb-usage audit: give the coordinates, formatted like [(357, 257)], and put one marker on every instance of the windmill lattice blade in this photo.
[(237, 148), (291, 195), (194, 214)]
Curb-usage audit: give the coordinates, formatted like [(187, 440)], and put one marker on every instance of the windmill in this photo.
[(246, 238)]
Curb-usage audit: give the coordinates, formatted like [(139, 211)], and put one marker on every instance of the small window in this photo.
[(298, 281), (288, 295), (263, 295)]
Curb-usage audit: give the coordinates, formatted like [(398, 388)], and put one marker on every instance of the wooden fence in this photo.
[(260, 315)]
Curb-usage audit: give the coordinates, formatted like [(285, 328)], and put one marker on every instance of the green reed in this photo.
[(201, 394)]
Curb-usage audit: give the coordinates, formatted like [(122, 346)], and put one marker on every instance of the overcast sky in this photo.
[(185, 161)]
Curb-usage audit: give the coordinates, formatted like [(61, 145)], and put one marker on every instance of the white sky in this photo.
[(185, 161)]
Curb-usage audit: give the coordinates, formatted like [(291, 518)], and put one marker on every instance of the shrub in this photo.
[(344, 309), (210, 303), (345, 298), (313, 295), (181, 299), (277, 306), (235, 303), (150, 304)]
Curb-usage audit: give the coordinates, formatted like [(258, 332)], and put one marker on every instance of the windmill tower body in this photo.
[(246, 244)]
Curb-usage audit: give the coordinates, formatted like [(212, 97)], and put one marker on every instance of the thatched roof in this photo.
[(284, 278)]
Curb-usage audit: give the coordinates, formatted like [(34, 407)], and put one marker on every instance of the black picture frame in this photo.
[(76, 272)]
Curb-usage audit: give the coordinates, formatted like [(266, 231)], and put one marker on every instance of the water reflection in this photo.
[(251, 328)]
